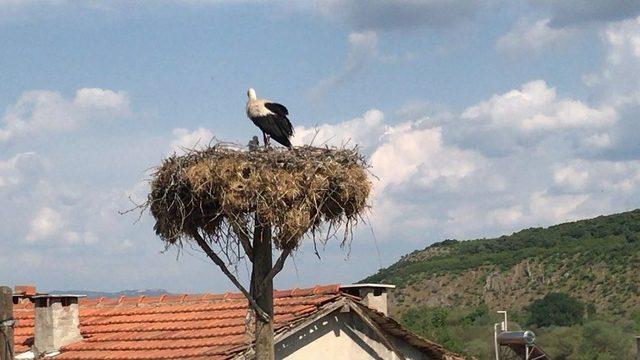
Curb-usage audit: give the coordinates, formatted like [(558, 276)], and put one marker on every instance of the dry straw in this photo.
[(219, 191)]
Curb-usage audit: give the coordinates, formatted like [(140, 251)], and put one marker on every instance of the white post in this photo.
[(495, 340), (504, 324)]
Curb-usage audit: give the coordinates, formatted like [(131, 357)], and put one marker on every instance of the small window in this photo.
[(377, 292)]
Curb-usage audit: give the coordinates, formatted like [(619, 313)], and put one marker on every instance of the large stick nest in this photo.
[(222, 188)]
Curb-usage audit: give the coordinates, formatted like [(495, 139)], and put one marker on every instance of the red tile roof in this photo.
[(206, 326)]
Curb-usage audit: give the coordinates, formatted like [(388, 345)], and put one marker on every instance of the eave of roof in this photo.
[(389, 325)]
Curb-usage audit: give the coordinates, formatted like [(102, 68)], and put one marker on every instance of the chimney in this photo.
[(24, 291), (57, 322), (373, 296)]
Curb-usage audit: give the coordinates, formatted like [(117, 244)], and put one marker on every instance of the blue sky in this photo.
[(479, 118)]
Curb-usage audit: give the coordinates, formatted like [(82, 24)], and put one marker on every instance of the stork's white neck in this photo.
[(251, 94)]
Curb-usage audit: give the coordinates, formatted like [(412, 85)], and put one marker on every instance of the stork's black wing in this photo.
[(277, 108), (277, 126)]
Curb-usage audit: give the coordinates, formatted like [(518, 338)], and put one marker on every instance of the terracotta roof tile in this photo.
[(197, 326)]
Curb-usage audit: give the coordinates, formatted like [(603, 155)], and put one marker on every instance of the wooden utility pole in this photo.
[(261, 290), (6, 323)]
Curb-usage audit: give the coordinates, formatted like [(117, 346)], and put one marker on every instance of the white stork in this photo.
[(271, 118)]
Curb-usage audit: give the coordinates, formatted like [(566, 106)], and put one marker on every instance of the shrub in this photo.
[(557, 309), (602, 340)]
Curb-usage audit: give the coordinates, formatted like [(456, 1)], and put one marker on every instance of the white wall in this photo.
[(340, 336)]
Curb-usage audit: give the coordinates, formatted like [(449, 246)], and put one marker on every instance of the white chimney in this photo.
[(373, 296), (57, 322)]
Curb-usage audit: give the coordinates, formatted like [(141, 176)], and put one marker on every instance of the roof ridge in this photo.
[(207, 297)]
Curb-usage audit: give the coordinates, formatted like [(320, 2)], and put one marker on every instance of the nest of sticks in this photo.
[(223, 190)]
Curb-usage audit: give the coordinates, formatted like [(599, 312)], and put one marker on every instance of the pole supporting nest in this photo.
[(218, 261)]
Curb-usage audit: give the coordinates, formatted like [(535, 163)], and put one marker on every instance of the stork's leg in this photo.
[(266, 139)]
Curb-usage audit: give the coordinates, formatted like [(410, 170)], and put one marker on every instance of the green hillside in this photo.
[(449, 287)]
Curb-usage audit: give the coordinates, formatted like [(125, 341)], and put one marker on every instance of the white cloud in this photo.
[(527, 37), (46, 224), (557, 208), (42, 111), (185, 139), (597, 141), (571, 177), (620, 78), (506, 217), (19, 168), (363, 131), (95, 98), (535, 106), (410, 152), (618, 85), (436, 176), (362, 46), (596, 176), (74, 238)]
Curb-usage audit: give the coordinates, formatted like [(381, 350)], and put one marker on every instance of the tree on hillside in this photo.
[(557, 309), (244, 205)]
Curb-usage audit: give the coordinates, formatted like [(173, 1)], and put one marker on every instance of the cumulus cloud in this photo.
[(570, 177), (441, 174), (185, 139), (52, 225), (527, 37), (46, 224), (414, 153), (592, 176), (551, 208), (525, 157), (620, 77), (20, 168), (597, 141), (42, 111), (362, 131), (618, 83), (95, 98), (506, 217), (536, 106), (74, 237), (54, 213), (363, 48)]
